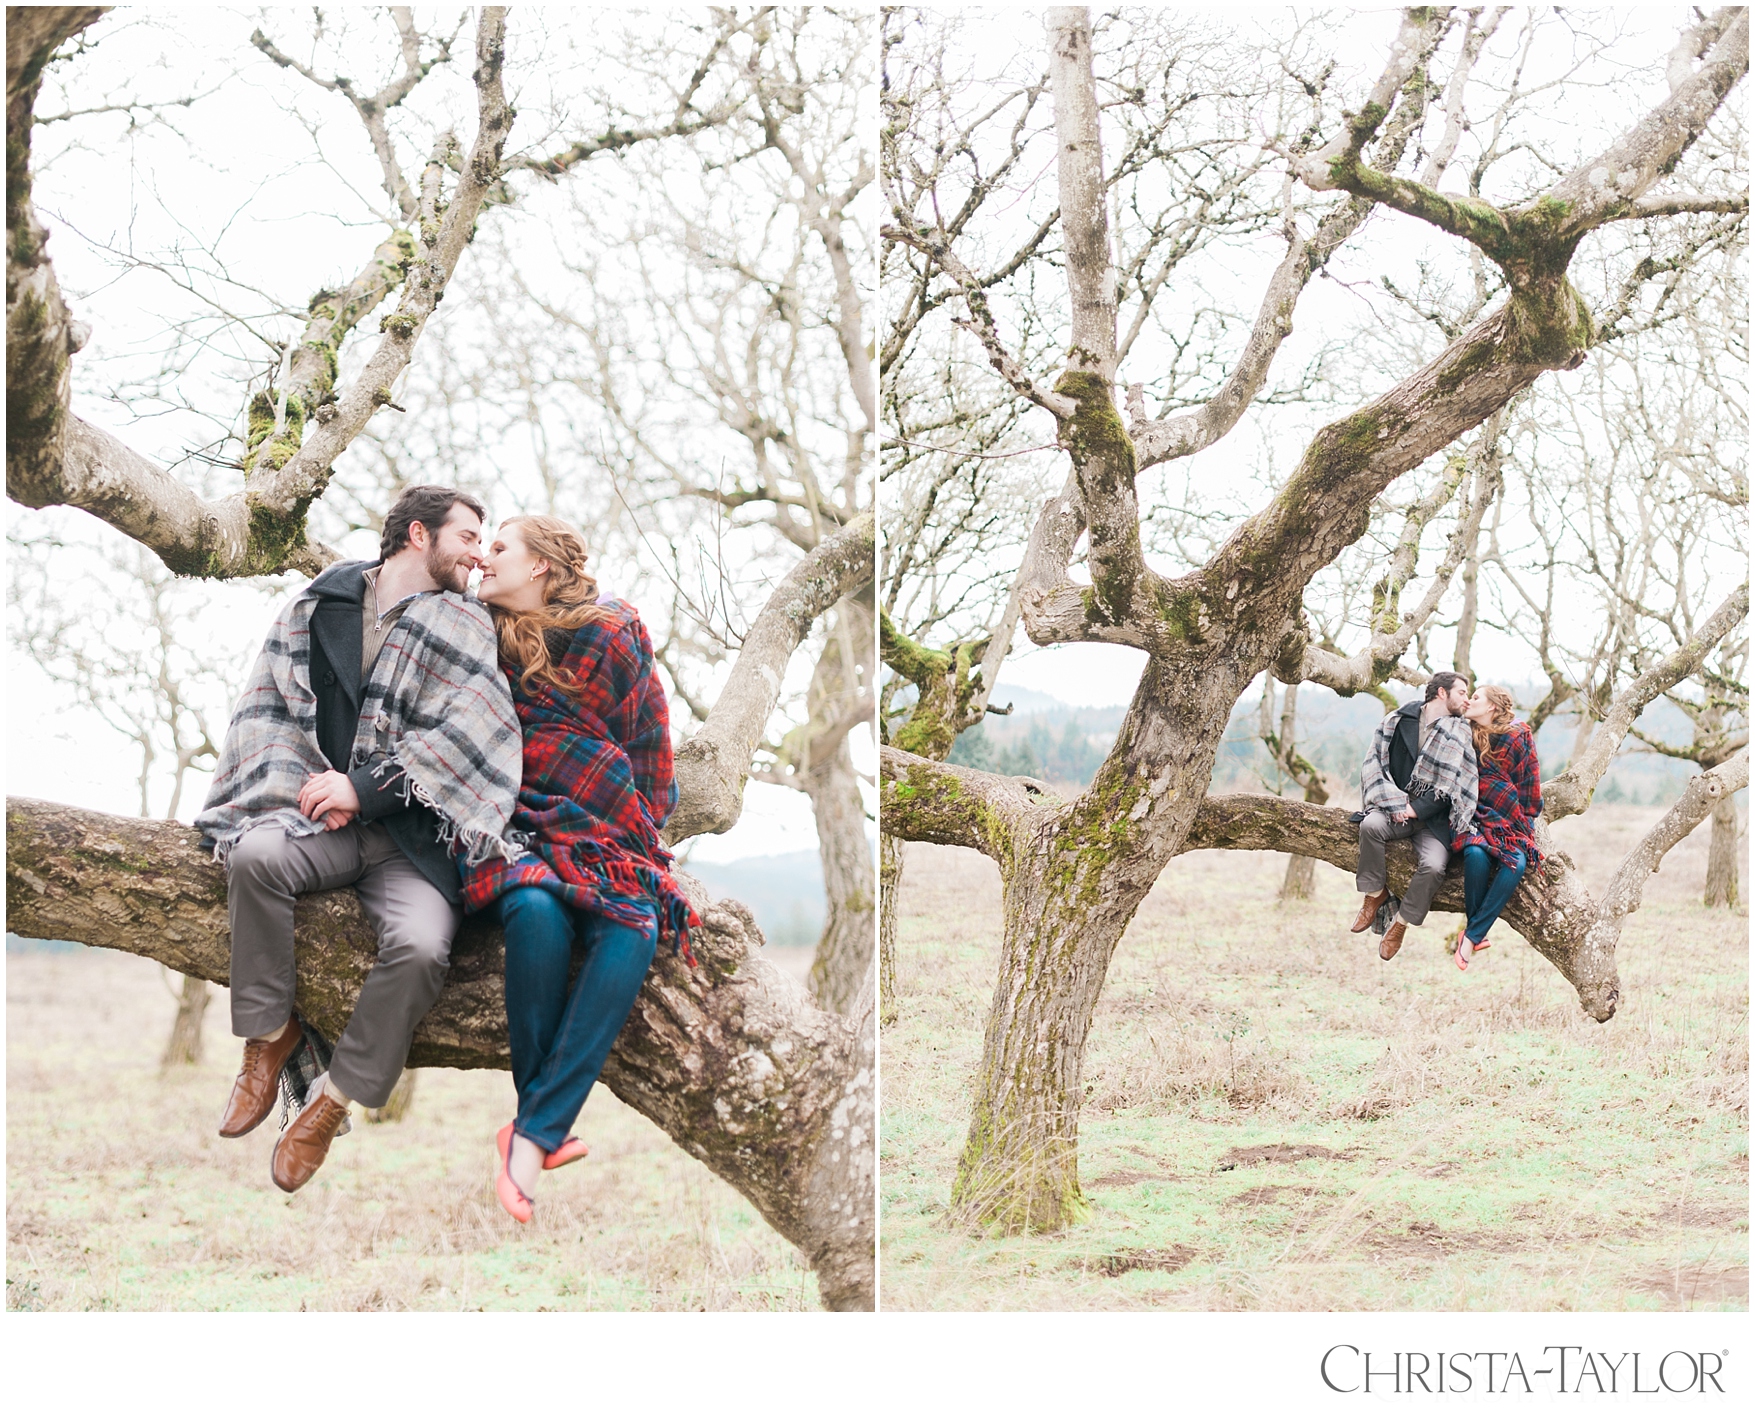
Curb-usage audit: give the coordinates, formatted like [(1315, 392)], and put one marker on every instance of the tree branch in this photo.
[(1569, 793), (937, 803), (1627, 888), (981, 322), (712, 765)]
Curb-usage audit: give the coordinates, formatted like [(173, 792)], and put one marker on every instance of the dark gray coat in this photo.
[(1404, 752), (335, 679)]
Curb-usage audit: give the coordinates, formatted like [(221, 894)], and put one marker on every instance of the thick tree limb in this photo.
[(937, 803), (1524, 239), (1084, 206), (730, 1059), (261, 529), (712, 765), (1703, 792), (941, 804), (1392, 631), (41, 336)]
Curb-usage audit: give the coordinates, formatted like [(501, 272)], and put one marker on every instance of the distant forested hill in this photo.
[(1053, 741), (784, 891)]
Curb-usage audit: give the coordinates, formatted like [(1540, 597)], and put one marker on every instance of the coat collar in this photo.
[(345, 581)]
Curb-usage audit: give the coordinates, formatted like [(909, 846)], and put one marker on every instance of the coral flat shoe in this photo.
[(570, 1152), (512, 1198)]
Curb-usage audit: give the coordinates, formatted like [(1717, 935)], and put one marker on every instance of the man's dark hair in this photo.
[(1443, 682), (427, 504)]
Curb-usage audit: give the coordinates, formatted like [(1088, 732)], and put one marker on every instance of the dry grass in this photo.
[(120, 1196), (1276, 1120)]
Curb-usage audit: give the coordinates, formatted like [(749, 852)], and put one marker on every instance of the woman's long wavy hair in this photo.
[(1498, 723), (569, 602)]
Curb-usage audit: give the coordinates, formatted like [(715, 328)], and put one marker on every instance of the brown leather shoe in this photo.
[(304, 1146), (1392, 940), (258, 1082), (1368, 907)]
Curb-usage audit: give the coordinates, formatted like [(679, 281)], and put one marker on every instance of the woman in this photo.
[(1501, 846), (597, 787)]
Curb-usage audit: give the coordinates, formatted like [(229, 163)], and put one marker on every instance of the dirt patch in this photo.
[(1704, 1215), (1274, 1154), (1126, 1179), (1426, 1239), (1271, 1193), (1698, 1285), (1146, 1259)]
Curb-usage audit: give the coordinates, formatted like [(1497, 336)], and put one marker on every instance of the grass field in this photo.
[(120, 1196), (1276, 1120)]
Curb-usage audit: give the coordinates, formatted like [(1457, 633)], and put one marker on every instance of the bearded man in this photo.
[(1419, 782), (375, 746)]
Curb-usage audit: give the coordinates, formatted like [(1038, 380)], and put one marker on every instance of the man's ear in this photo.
[(417, 535)]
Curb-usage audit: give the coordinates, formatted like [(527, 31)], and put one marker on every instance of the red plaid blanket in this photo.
[(1509, 799), (597, 786)]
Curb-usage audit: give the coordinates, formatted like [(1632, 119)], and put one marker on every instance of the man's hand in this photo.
[(1401, 817), (331, 798)]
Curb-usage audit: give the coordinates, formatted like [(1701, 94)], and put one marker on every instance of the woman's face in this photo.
[(511, 577), (1480, 708)]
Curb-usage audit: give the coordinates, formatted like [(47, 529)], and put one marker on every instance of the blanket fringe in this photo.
[(472, 845)]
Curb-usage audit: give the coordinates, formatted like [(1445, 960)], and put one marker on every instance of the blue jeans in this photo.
[(1488, 887), (562, 1035)]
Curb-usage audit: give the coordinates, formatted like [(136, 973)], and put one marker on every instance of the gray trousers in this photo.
[(1376, 830), (415, 925)]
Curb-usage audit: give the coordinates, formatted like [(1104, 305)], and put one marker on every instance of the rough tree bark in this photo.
[(952, 688), (1074, 873), (1723, 857), (844, 950), (889, 881)]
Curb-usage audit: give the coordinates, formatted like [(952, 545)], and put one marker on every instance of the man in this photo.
[(1419, 781), (375, 741)]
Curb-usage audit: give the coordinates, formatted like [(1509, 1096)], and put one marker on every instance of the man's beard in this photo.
[(447, 570)]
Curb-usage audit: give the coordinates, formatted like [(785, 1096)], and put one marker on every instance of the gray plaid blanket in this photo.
[(1446, 768), (436, 705)]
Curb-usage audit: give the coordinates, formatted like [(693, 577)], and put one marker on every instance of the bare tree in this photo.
[(732, 1059), (1074, 872)]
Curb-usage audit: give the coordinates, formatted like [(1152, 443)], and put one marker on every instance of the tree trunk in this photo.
[(843, 957), (730, 1059), (1723, 857), (890, 882), (396, 1108), (1071, 888), (184, 1045), (1300, 880)]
